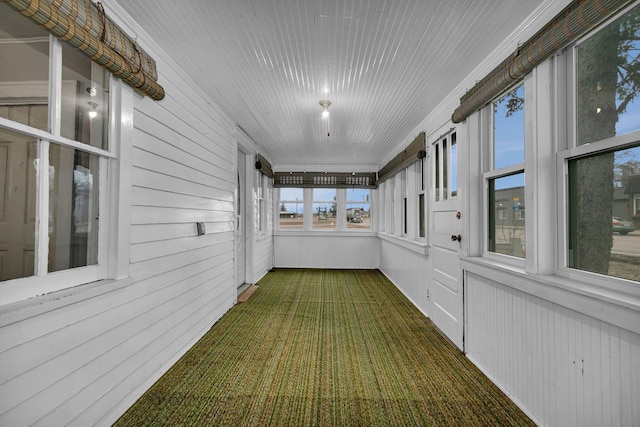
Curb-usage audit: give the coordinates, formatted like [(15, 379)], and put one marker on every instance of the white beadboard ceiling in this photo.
[(383, 64)]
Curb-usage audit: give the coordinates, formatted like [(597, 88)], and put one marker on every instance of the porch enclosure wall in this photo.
[(84, 357)]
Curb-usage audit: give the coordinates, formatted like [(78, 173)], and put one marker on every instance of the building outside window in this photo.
[(604, 165), (54, 152), (505, 178), (358, 205)]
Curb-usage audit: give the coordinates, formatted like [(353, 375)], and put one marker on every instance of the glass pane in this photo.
[(508, 131), (291, 208), (454, 166), (437, 172), (608, 79), (445, 169), (324, 208), (506, 215), (73, 208), (602, 213), (421, 215), (358, 208), (17, 205), (85, 99), (24, 74)]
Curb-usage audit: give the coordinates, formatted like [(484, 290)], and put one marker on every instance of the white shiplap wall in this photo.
[(407, 269), (327, 250), (85, 358), (565, 368)]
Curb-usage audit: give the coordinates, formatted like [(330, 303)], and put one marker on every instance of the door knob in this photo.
[(458, 238)]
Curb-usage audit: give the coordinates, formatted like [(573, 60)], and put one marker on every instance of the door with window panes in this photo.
[(445, 225)]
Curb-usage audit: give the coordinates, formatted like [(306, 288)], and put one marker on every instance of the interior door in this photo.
[(241, 251), (445, 287)]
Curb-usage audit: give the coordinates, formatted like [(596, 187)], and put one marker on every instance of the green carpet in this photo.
[(324, 348)]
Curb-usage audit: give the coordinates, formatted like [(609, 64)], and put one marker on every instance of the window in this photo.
[(422, 231), (604, 166), (505, 178), (358, 208), (403, 197), (445, 168), (291, 212), (324, 213), (54, 153)]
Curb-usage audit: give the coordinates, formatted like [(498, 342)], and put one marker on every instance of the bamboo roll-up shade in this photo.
[(413, 153), (325, 179), (83, 24), (568, 26), (264, 166)]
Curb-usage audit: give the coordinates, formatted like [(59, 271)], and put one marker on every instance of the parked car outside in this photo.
[(621, 226)]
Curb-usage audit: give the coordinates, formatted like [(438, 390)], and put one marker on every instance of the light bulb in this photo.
[(325, 113)]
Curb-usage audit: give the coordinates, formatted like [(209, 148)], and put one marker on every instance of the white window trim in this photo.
[(115, 188)]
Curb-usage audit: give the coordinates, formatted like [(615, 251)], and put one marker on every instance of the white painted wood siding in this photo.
[(324, 250), (408, 270), (85, 358), (564, 368)]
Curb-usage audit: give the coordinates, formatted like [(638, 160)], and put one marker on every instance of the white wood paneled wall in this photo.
[(325, 250), (84, 359), (564, 368), (408, 270)]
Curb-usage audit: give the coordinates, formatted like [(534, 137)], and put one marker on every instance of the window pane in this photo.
[(506, 215), (454, 166), (324, 208), (17, 205), (291, 208), (602, 191), (358, 208), (421, 207), (73, 208), (508, 133), (437, 173), (445, 169), (24, 74), (608, 78), (85, 99)]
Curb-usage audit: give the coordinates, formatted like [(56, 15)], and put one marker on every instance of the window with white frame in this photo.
[(603, 166), (291, 209), (505, 175), (358, 206), (324, 209), (420, 176), (445, 168), (54, 152), (404, 206)]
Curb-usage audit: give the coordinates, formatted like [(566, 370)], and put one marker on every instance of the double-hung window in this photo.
[(504, 176), (54, 156), (602, 161)]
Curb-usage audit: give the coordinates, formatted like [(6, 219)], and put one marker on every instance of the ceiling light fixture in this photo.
[(325, 108)]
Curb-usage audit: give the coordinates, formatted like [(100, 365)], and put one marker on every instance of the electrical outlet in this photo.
[(428, 295)]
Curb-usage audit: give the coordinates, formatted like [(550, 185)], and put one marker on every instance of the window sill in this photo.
[(36, 306), (609, 305), (419, 247)]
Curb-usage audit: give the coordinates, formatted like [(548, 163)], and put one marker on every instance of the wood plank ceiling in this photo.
[(383, 64)]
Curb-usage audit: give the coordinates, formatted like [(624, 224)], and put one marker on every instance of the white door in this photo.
[(241, 251), (445, 287)]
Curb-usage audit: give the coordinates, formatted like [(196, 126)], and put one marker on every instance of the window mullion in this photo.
[(55, 85), (42, 207)]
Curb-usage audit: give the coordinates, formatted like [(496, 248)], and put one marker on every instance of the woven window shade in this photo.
[(264, 166), (413, 153), (325, 180), (569, 25), (83, 24)]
